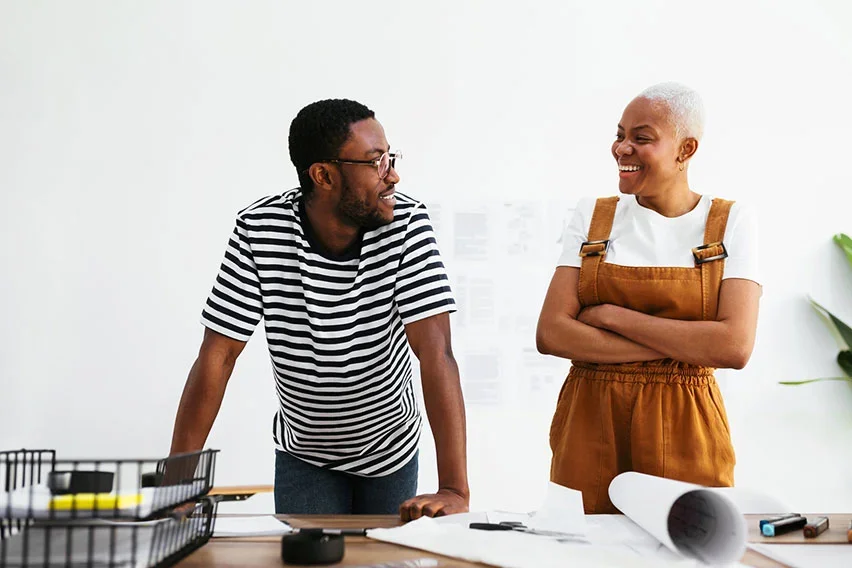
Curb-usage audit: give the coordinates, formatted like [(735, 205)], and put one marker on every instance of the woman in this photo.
[(654, 290)]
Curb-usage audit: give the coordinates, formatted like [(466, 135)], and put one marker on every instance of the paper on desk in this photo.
[(462, 519), (511, 549), (619, 530), (416, 563), (263, 525), (562, 511), (691, 520), (807, 555), (495, 517)]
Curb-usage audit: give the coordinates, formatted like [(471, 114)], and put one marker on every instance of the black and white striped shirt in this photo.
[(335, 328)]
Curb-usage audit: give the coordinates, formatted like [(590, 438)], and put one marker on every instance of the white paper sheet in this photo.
[(265, 525), (464, 519), (690, 520), (618, 529), (568, 528), (416, 563), (807, 555), (561, 512), (665, 523), (510, 549)]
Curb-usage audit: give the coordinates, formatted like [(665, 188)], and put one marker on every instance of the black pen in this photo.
[(342, 532)]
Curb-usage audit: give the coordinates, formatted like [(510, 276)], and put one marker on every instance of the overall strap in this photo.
[(594, 250), (710, 257)]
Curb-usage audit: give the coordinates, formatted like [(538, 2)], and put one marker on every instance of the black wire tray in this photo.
[(139, 513)]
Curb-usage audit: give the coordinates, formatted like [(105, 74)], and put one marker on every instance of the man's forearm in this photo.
[(445, 409), (199, 404)]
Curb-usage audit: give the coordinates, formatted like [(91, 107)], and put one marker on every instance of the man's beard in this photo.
[(358, 211)]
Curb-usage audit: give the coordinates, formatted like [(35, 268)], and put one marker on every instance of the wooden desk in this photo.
[(266, 551), (240, 489)]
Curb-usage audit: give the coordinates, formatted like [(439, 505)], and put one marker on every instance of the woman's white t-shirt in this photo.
[(643, 237)]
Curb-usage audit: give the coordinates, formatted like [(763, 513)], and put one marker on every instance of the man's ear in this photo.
[(687, 149), (322, 174)]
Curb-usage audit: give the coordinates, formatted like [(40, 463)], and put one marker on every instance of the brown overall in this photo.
[(663, 417)]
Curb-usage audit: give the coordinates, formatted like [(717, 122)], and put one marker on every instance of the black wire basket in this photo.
[(129, 513)]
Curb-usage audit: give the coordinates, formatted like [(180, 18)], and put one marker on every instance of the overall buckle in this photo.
[(696, 253), (599, 248)]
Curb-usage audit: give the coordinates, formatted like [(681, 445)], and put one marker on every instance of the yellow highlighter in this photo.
[(91, 501)]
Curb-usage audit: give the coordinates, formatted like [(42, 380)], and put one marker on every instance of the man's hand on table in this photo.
[(444, 502)]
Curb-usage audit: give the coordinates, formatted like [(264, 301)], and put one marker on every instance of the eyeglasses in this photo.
[(382, 164)]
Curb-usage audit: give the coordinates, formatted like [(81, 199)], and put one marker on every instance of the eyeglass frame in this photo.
[(392, 157)]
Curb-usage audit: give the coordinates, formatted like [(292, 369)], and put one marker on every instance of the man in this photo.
[(346, 273)]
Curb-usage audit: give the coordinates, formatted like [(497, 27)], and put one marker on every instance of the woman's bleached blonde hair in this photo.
[(684, 104)]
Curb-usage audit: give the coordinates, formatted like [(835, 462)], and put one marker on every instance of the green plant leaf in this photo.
[(844, 330), (845, 243), (844, 359), (841, 332), (849, 379)]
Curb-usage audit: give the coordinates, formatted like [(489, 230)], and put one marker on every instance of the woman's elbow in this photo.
[(543, 342), (737, 357), (741, 360)]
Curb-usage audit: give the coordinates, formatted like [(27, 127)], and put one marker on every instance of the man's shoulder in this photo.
[(408, 210), (272, 206), (405, 208), (406, 204)]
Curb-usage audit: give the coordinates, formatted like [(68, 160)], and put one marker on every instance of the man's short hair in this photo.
[(318, 132)]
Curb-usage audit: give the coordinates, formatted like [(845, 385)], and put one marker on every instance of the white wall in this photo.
[(132, 132)]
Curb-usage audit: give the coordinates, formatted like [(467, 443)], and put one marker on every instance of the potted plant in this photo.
[(841, 332)]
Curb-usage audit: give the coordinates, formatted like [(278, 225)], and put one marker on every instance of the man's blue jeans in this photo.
[(302, 488)]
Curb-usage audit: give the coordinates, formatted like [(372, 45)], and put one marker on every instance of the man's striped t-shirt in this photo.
[(335, 328)]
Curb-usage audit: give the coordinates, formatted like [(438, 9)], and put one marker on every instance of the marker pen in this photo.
[(776, 519), (816, 527), (784, 526)]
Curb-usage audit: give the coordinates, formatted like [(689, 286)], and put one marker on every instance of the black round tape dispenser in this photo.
[(311, 546)]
